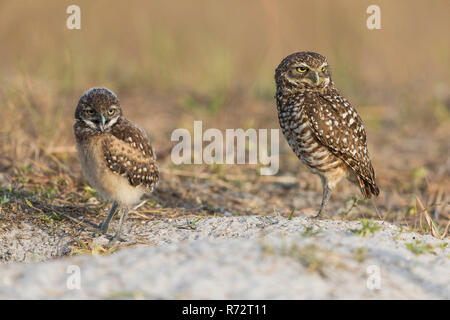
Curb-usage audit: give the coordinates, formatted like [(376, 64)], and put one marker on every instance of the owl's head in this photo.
[(303, 70), (99, 109)]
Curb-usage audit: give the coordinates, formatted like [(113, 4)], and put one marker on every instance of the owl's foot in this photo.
[(326, 196), (116, 239), (123, 218), (105, 224), (321, 210)]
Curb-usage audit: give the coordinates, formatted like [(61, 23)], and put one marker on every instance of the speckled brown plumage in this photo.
[(116, 155), (130, 154), (321, 126)]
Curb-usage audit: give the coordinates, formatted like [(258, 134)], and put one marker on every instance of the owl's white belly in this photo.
[(108, 184)]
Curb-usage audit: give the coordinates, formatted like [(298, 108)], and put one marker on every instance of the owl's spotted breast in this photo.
[(296, 127)]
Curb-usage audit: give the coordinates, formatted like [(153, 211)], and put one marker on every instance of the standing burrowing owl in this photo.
[(321, 126), (116, 156)]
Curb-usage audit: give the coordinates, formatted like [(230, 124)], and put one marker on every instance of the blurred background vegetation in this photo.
[(172, 62)]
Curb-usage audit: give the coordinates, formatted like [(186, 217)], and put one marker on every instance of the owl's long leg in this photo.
[(105, 224), (123, 218), (325, 197)]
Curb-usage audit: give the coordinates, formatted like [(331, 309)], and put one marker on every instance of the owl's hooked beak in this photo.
[(101, 124), (314, 76)]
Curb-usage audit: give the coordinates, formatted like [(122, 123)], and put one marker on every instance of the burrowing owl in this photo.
[(321, 126), (116, 156)]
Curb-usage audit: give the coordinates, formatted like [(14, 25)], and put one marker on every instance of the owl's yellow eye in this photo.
[(323, 69), (111, 111), (302, 69), (90, 112)]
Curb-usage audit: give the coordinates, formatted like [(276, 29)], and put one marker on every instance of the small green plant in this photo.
[(4, 200), (89, 192), (369, 227), (51, 219), (310, 231), (419, 248), (292, 214), (48, 192), (345, 213), (189, 225), (192, 224), (396, 237), (442, 245)]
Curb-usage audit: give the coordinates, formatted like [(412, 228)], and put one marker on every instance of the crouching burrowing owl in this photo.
[(116, 156), (321, 126)]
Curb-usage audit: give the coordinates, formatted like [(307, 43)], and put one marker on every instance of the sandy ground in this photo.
[(248, 257)]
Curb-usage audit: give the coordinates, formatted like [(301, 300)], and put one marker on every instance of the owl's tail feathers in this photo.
[(368, 188)]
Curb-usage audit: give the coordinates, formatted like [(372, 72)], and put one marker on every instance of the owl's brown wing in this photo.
[(337, 126), (128, 152)]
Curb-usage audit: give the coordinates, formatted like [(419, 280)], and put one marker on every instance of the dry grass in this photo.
[(214, 60)]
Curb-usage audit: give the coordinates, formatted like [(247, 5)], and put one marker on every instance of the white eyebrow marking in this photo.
[(323, 65), (301, 64)]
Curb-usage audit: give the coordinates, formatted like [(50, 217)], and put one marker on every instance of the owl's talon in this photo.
[(116, 239), (319, 214)]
